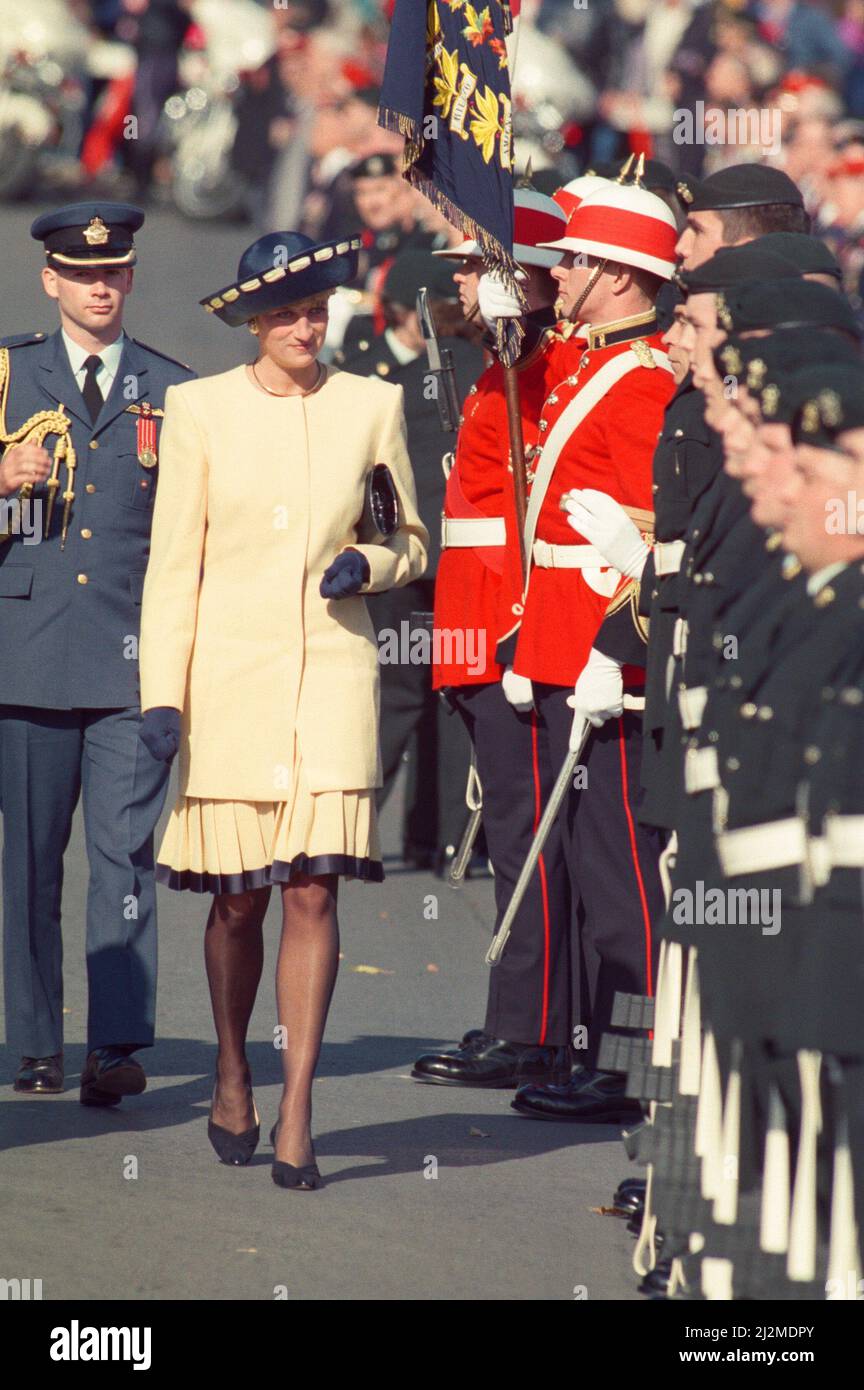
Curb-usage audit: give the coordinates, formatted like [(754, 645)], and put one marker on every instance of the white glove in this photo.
[(496, 301), (518, 691), (605, 524), (599, 691)]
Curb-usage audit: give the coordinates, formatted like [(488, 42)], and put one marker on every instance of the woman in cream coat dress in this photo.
[(259, 662)]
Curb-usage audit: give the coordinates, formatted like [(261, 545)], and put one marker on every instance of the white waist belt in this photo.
[(679, 637), (845, 839), (667, 557), (462, 532), (568, 557), (701, 773), (781, 844), (691, 704)]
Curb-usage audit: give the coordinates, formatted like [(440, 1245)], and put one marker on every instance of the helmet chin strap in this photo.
[(592, 281)]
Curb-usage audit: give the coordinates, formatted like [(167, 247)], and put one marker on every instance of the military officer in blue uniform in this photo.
[(80, 414)]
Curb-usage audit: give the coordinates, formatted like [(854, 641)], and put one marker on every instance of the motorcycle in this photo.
[(200, 122), (43, 55)]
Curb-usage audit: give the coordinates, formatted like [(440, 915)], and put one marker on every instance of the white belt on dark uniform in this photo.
[(701, 773), (464, 532), (844, 836), (779, 844), (691, 705), (667, 557)]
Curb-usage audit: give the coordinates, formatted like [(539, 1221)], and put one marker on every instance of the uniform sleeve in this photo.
[(403, 557), (169, 607)]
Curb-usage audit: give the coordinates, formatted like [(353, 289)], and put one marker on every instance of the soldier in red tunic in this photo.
[(580, 626), (478, 602)]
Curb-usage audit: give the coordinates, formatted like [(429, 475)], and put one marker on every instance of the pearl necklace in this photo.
[(284, 395)]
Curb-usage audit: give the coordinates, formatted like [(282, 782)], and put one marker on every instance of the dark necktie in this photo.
[(93, 398)]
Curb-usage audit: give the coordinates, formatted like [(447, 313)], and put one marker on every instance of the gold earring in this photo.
[(253, 327)]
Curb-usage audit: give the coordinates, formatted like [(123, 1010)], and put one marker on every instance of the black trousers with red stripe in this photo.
[(530, 988), (612, 861)]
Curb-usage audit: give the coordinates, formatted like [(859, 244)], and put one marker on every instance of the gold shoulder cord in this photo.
[(35, 431)]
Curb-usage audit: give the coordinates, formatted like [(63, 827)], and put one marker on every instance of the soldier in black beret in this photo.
[(779, 304), (812, 257), (737, 205)]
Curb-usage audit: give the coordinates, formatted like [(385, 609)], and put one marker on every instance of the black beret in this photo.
[(413, 270), (808, 253), (374, 166), (828, 400), (756, 360), (89, 234), (790, 303), (733, 265), (547, 181), (668, 297), (745, 186)]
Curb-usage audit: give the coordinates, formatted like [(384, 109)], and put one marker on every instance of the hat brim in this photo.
[(61, 259), (318, 268), (622, 254), (460, 252)]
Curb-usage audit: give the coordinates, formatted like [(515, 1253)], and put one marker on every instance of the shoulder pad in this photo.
[(22, 339), (164, 355)]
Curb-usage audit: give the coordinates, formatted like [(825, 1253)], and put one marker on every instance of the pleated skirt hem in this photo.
[(368, 870)]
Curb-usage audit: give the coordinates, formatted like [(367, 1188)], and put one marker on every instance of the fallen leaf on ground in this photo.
[(252, 1250), (609, 1211), (478, 1133), (433, 968), (371, 970)]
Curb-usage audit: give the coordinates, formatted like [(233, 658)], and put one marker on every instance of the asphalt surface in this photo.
[(133, 1204)]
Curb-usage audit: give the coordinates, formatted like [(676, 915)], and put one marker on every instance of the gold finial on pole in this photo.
[(640, 170), (625, 168), (525, 180)]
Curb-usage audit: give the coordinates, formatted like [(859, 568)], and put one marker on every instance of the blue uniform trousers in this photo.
[(48, 759)]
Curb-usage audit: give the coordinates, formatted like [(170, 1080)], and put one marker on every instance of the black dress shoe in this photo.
[(109, 1074), (656, 1281), (486, 1061), (40, 1076), (587, 1098), (628, 1186)]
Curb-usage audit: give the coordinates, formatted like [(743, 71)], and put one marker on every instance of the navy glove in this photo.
[(348, 572), (160, 732)]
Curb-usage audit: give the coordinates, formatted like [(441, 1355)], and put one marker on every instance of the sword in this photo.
[(440, 365), (562, 785), (474, 802)]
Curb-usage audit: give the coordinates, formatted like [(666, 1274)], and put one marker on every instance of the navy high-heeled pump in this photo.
[(305, 1179), (234, 1149)]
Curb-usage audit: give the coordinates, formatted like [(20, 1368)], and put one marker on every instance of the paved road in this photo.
[(508, 1215)]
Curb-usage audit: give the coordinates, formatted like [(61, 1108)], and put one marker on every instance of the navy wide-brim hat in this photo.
[(279, 269)]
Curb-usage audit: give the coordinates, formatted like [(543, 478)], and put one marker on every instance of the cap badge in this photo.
[(731, 359), (723, 314), (830, 408), (770, 399), (810, 417), (96, 234), (684, 193)]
